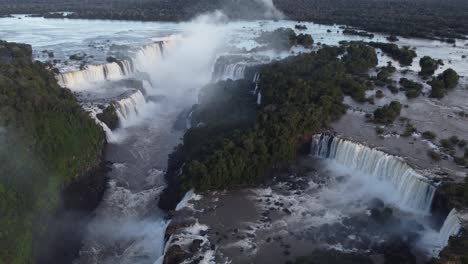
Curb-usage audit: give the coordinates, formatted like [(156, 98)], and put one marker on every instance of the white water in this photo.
[(122, 224), (146, 59), (434, 241), (92, 73), (129, 107), (259, 98), (409, 189), (234, 72)]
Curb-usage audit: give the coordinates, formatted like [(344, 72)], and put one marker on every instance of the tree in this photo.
[(450, 78), (387, 113), (428, 66), (438, 90)]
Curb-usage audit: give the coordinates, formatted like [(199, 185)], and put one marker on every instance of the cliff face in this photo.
[(51, 154), (66, 226)]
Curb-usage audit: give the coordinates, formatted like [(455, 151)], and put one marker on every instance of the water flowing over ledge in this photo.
[(414, 191), (234, 71), (144, 60), (129, 106), (434, 242)]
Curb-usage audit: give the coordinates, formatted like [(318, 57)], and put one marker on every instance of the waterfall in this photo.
[(129, 106), (451, 227), (413, 191), (259, 98), (433, 241), (188, 121), (93, 111), (233, 71), (147, 58), (144, 60), (92, 73), (255, 80), (228, 68), (127, 67)]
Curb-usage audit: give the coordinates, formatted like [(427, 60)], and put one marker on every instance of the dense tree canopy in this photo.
[(284, 39), (428, 66), (46, 141), (387, 113), (234, 141), (412, 89), (445, 81), (403, 55)]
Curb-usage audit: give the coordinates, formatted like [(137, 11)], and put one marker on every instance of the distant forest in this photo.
[(434, 19)]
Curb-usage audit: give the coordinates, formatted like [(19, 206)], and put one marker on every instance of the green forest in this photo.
[(235, 142), (46, 141)]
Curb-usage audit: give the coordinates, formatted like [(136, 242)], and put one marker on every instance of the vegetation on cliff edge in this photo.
[(46, 141)]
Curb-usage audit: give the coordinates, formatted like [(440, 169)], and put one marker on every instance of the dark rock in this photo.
[(109, 117), (376, 203), (196, 245), (175, 255), (177, 224)]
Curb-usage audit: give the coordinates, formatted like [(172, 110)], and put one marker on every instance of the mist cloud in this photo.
[(271, 11)]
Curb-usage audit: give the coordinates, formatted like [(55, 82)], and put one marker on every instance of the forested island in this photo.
[(51, 156), (299, 96)]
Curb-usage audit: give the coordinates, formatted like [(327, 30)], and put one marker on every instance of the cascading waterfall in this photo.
[(93, 111), (434, 241), (414, 191), (235, 71), (451, 227), (255, 80), (147, 57), (144, 60), (92, 73), (127, 67), (128, 107)]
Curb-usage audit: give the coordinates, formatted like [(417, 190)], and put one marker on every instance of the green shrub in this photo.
[(446, 143), (403, 55), (434, 155), (387, 113), (429, 135), (428, 66), (450, 78), (412, 89), (409, 130)]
